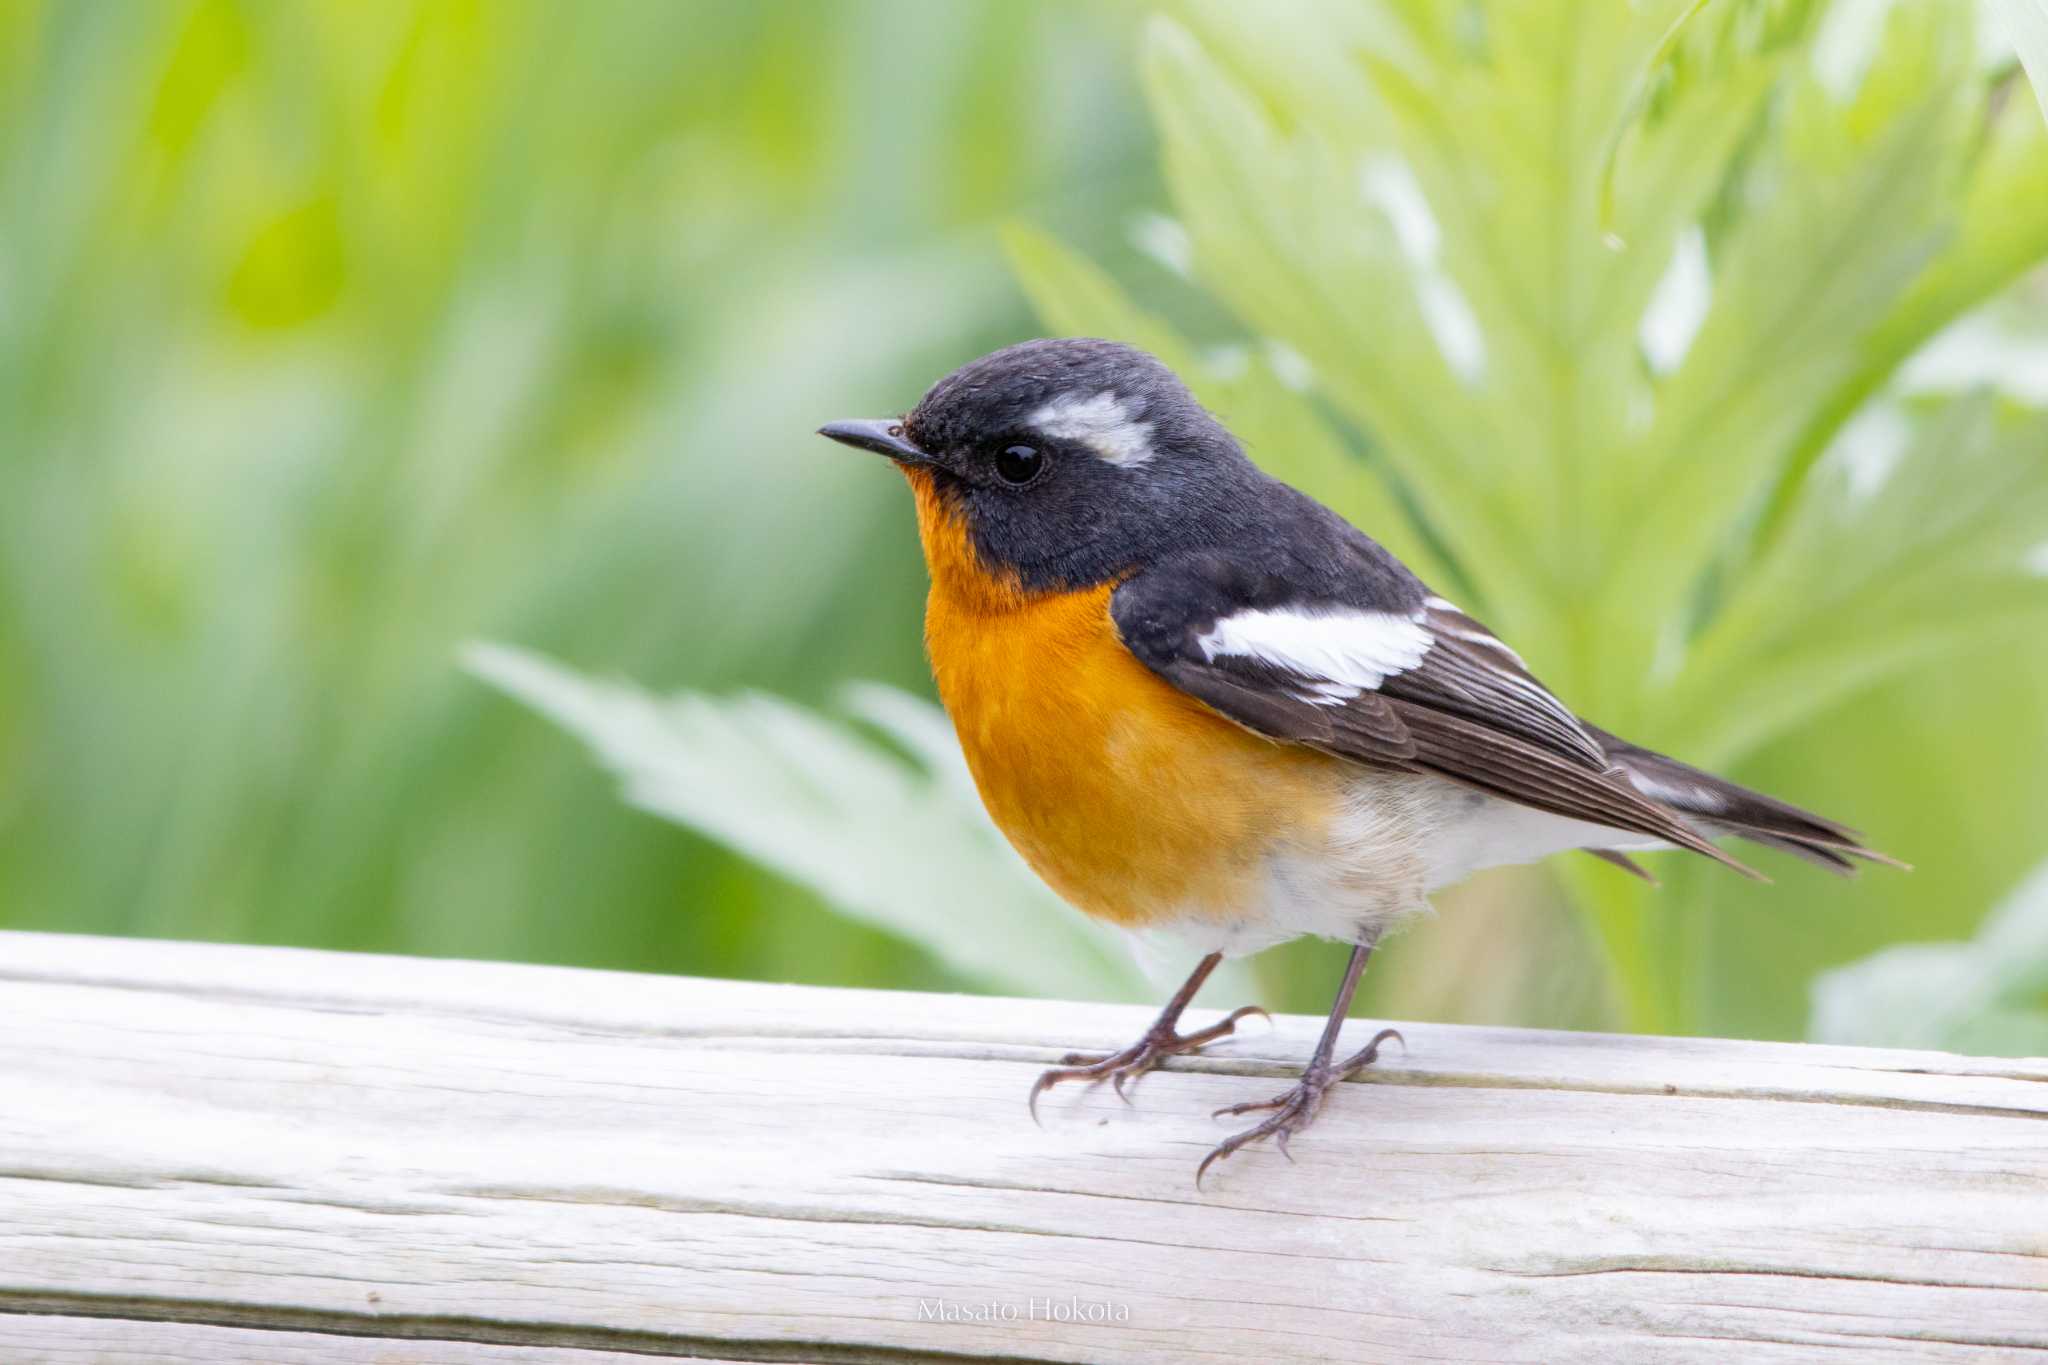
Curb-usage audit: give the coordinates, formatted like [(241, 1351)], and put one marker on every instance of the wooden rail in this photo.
[(230, 1155)]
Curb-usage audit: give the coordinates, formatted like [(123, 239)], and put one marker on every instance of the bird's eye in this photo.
[(1018, 464)]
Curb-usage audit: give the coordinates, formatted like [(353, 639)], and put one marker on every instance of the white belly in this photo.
[(1483, 831), (1401, 837)]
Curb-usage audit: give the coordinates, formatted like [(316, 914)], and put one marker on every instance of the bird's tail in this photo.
[(1719, 806)]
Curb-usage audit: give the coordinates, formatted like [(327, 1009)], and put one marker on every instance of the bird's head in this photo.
[(1059, 464)]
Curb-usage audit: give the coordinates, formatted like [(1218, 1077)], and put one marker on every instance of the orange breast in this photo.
[(1133, 801)]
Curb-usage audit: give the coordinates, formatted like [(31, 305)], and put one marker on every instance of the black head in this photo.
[(1068, 462)]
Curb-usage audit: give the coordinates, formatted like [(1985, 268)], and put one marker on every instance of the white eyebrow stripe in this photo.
[(1343, 653), (1102, 423)]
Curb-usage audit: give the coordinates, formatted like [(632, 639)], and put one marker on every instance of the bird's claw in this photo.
[(1122, 1068), (1296, 1108)]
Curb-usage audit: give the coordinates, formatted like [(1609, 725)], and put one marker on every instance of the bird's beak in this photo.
[(884, 438)]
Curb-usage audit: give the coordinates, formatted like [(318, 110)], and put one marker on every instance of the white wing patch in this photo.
[(1341, 653), (1102, 423)]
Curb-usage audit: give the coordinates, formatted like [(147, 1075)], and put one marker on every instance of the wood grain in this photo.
[(257, 1154), (36, 1339)]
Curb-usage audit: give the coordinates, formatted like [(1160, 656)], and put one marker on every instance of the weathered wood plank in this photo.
[(249, 1138), (33, 1339)]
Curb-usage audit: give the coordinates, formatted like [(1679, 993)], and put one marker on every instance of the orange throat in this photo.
[(955, 566), (1134, 801)]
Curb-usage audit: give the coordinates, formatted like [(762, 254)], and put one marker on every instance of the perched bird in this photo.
[(1198, 701)]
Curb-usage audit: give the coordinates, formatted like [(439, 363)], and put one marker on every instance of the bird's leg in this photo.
[(1297, 1107), (1160, 1041)]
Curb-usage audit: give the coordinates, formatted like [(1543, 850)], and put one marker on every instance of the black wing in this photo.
[(1470, 673), (1369, 666)]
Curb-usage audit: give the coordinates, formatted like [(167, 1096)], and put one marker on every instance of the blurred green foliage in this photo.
[(1984, 995), (334, 335)]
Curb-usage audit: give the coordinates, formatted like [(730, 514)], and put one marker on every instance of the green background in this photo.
[(333, 336)]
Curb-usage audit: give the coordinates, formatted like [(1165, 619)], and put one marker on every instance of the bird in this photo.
[(1202, 705)]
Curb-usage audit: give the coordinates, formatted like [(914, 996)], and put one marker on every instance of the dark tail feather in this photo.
[(1720, 806), (1625, 863)]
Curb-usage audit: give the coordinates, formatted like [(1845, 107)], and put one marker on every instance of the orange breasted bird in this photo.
[(1198, 701)]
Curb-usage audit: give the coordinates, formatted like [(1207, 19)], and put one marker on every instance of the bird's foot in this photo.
[(1295, 1108), (1159, 1042)]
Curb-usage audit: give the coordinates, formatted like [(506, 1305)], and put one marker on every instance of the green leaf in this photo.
[(2026, 23), (1845, 214), (1919, 533), (1991, 246), (1987, 995), (898, 843)]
